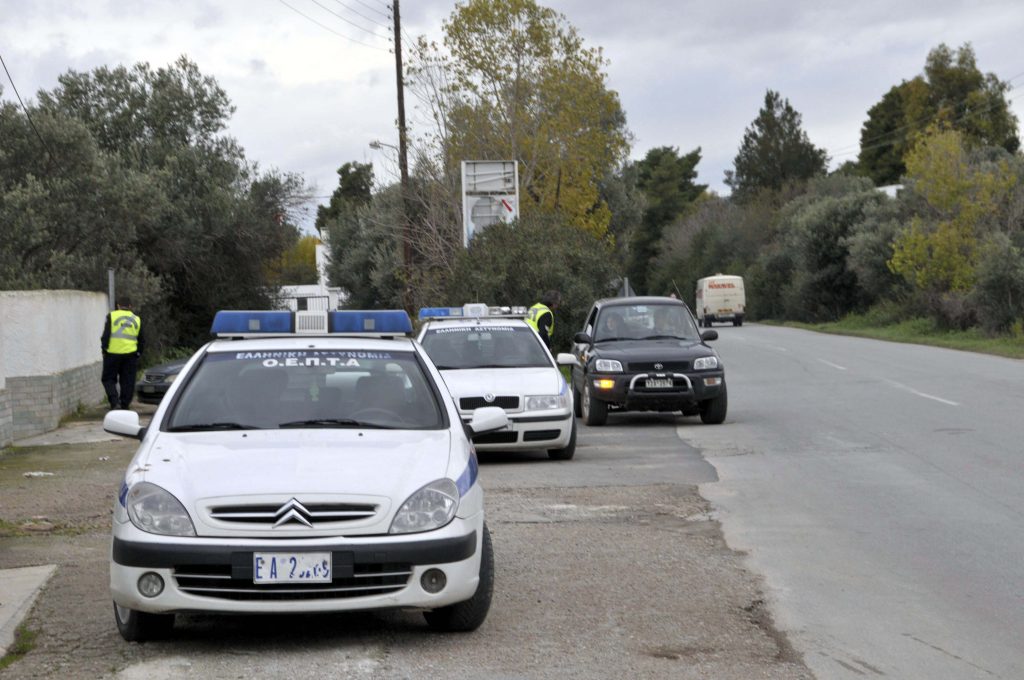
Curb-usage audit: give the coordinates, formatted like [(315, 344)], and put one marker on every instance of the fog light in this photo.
[(711, 382), (604, 384), (150, 584), (433, 581)]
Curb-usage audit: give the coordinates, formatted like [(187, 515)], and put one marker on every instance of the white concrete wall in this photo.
[(45, 332)]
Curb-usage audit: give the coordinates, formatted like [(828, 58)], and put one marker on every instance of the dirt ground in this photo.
[(625, 581)]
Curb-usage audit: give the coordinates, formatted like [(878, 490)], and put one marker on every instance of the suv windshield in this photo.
[(645, 322), (510, 346), (306, 388)]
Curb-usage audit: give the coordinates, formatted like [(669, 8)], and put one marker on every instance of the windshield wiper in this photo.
[(213, 426), (664, 337), (334, 422)]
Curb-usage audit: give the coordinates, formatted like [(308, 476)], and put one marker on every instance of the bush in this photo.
[(997, 299)]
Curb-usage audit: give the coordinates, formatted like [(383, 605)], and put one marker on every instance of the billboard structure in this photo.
[(490, 192)]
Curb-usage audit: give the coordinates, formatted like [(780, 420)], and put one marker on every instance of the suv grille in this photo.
[(469, 403), (217, 581), (666, 366)]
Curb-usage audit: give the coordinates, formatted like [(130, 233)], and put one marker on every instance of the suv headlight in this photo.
[(547, 402), (430, 508), (155, 511), (705, 363), (608, 366)]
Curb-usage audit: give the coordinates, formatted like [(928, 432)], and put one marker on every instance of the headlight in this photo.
[(547, 402), (170, 378), (156, 511), (430, 508), (608, 366), (705, 363)]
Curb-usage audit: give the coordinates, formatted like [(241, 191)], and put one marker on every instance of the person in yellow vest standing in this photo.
[(122, 343), (542, 315)]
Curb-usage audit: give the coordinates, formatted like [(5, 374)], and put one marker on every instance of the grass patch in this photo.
[(24, 642), (879, 325)]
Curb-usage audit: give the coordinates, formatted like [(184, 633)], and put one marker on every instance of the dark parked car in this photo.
[(156, 380), (646, 354)]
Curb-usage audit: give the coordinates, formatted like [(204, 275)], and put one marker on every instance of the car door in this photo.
[(580, 351)]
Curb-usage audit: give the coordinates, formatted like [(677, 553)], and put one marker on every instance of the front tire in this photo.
[(595, 412), (136, 626), (712, 411), (464, 617), (570, 449)]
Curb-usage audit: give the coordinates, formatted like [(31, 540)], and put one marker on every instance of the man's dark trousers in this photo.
[(119, 369)]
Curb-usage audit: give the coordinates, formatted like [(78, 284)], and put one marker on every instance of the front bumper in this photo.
[(630, 393), (528, 432), (216, 574)]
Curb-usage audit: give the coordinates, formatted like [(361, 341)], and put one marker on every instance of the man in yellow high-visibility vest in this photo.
[(542, 315), (122, 343)]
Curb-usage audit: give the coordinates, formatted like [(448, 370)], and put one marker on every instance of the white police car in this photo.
[(303, 462), (490, 356)]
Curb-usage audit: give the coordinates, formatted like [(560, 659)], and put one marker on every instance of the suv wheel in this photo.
[(712, 411), (595, 412)]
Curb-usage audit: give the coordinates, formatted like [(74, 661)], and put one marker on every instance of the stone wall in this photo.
[(50, 360)]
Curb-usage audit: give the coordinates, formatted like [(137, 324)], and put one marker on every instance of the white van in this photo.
[(720, 298)]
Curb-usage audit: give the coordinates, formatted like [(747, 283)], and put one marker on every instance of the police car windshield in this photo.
[(271, 389), (645, 322), (484, 346)]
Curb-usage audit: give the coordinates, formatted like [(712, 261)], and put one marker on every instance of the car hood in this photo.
[(503, 381), (652, 350), (168, 368), (388, 463)]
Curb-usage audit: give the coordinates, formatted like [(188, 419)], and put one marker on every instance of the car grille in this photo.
[(497, 438), (154, 377), (268, 514), (468, 403), (217, 581), (666, 366)]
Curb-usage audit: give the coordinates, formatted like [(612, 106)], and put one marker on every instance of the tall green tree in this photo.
[(775, 151), (667, 182), (951, 92), (134, 171)]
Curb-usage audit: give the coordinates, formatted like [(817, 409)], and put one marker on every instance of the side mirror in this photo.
[(583, 339), (488, 419), (566, 359), (708, 335), (124, 423)]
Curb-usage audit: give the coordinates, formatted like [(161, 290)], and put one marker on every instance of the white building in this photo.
[(314, 295)]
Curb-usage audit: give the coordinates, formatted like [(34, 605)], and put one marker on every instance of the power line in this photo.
[(846, 150), (901, 137), (347, 21), (328, 28), (28, 116), (360, 14), (386, 15)]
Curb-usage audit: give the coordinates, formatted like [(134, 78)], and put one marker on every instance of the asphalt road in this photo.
[(879, 488)]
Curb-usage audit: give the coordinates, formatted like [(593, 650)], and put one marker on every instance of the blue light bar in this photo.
[(435, 312), (232, 322), (370, 321)]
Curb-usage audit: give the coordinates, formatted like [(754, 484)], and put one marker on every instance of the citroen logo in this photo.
[(293, 511), (658, 367), (489, 398)]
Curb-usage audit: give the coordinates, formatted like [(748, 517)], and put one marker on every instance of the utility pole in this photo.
[(403, 163)]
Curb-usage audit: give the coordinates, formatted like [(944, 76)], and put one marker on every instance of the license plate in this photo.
[(727, 310), (284, 567), (147, 388), (658, 382)]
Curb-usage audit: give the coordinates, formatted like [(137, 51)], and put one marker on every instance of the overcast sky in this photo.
[(312, 90)]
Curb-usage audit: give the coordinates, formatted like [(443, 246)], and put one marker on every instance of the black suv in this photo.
[(646, 354)]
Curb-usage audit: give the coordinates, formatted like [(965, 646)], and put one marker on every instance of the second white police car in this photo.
[(303, 462), (490, 356)]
